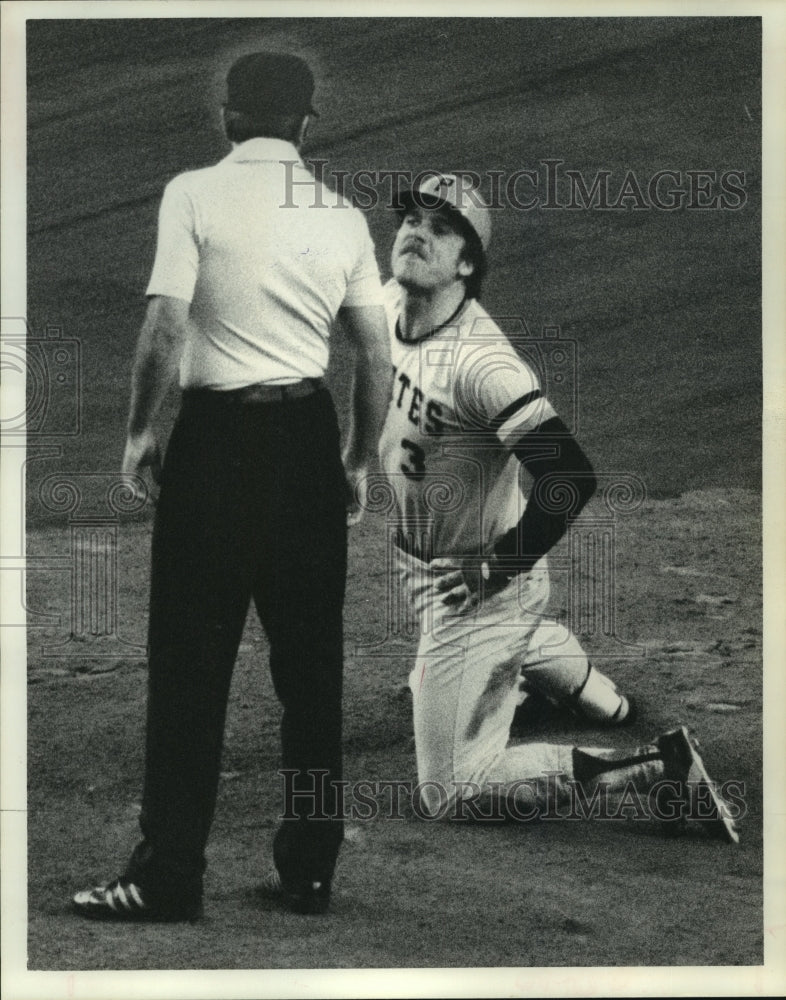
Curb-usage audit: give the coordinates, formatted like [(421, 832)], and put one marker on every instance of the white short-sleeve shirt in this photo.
[(265, 254), (462, 398)]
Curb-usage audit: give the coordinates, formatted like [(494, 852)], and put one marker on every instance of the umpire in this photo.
[(247, 282)]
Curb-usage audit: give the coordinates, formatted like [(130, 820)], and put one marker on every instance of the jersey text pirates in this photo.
[(462, 398)]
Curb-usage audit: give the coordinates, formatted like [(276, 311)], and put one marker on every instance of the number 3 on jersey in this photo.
[(415, 468)]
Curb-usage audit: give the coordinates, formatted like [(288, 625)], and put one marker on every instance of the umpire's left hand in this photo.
[(357, 490)]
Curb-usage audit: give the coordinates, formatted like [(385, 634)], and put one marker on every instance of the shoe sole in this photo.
[(108, 915), (721, 824)]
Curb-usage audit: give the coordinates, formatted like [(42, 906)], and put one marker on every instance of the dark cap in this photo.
[(270, 81)]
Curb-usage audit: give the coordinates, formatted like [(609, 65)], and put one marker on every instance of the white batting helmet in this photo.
[(454, 192)]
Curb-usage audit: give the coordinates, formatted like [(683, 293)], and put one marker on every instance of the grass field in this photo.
[(662, 309)]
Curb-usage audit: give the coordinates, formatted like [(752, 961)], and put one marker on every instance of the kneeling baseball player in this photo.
[(467, 416)]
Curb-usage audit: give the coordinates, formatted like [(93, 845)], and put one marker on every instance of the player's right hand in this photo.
[(142, 452), (458, 584), (465, 582)]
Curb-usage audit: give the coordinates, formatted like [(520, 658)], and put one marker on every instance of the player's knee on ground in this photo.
[(557, 667)]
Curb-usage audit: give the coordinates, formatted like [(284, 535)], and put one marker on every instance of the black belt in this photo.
[(261, 392)]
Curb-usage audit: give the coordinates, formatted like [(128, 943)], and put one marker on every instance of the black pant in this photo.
[(252, 503)]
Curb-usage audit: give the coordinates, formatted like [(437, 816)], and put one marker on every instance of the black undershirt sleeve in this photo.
[(549, 450)]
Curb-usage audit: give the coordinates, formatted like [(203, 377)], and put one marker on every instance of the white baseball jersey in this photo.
[(462, 397)]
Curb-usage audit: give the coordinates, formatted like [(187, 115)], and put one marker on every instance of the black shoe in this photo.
[(698, 791), (302, 896), (124, 900)]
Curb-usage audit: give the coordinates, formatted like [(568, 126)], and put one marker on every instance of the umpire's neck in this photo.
[(425, 310), (297, 134)]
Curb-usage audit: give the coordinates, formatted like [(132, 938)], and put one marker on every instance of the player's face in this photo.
[(427, 252)]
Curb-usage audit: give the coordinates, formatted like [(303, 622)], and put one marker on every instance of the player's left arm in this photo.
[(525, 424), (548, 452)]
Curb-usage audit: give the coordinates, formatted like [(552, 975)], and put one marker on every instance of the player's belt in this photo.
[(259, 393)]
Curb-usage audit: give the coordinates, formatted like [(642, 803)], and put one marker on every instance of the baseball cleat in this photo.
[(123, 900), (698, 791), (302, 896)]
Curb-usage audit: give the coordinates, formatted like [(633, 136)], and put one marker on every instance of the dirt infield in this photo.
[(656, 313), (545, 893)]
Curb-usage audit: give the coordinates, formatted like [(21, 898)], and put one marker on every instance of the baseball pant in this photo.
[(465, 690), (252, 504)]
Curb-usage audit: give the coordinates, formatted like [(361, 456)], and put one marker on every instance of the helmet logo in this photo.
[(446, 182)]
